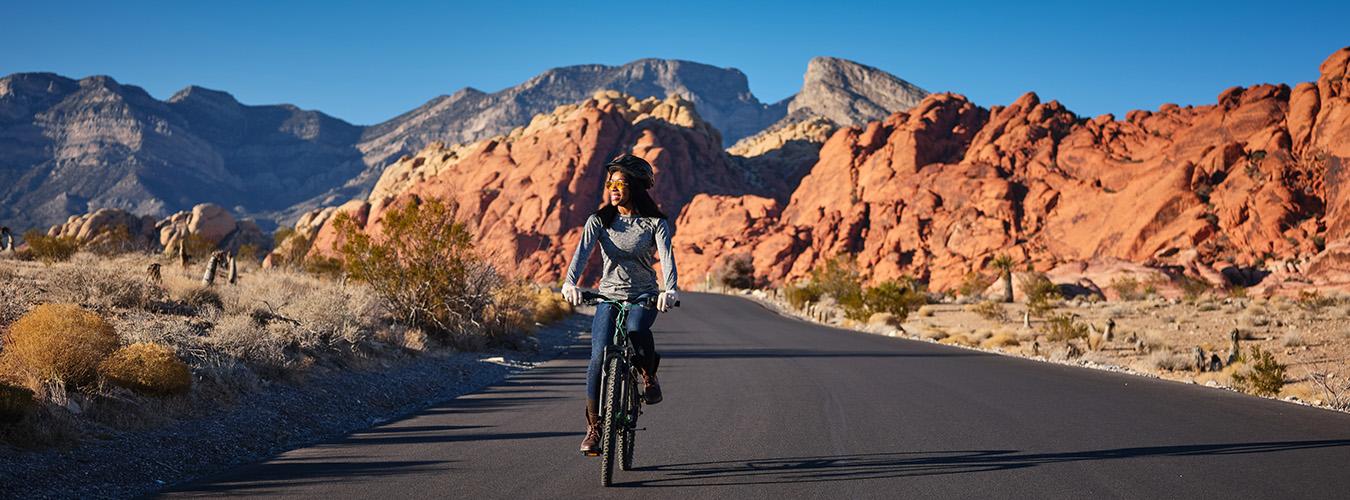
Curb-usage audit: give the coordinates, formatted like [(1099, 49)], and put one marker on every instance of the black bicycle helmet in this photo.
[(636, 169)]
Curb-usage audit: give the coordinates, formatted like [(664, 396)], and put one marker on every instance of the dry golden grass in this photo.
[(1001, 339), (549, 306), (58, 342), (989, 310), (148, 369)]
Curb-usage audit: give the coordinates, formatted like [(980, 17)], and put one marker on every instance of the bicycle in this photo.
[(620, 401)]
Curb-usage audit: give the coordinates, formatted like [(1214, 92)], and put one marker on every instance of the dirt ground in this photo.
[(1160, 336)]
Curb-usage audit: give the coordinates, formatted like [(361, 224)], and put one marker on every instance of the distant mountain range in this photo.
[(70, 146)]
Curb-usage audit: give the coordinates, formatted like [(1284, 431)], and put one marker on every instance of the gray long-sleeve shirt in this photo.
[(627, 250)]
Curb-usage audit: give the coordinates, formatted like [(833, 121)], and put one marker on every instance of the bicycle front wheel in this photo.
[(611, 416), (628, 435)]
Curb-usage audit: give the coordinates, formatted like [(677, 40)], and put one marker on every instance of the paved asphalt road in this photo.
[(761, 406)]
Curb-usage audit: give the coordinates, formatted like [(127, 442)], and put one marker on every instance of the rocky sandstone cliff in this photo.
[(526, 194), (1251, 187)]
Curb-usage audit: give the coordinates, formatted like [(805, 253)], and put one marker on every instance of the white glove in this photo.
[(571, 295), (667, 300)]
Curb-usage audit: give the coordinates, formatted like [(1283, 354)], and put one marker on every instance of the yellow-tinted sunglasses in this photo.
[(616, 185)]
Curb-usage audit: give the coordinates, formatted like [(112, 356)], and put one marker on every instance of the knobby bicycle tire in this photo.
[(609, 421), (628, 435)]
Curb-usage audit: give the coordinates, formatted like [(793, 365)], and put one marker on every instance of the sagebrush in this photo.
[(61, 342)]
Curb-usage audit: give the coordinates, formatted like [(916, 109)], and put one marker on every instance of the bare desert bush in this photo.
[(1261, 374), (989, 310), (103, 286), (60, 342), (147, 369), (1335, 392), (735, 271), (1293, 338), (1064, 327), (1170, 360)]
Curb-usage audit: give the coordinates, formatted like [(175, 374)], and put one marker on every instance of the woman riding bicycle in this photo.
[(626, 230)]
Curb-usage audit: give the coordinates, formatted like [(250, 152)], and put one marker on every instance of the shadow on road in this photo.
[(798, 353), (287, 473), (921, 463)]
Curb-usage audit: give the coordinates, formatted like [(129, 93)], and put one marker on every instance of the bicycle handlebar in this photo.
[(647, 299)]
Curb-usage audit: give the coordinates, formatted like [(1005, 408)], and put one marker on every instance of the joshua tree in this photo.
[(209, 278), (182, 253), (1004, 263), (234, 270)]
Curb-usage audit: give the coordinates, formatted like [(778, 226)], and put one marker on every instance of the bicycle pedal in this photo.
[(589, 454)]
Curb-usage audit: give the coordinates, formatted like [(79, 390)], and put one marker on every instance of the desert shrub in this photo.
[(258, 344), (58, 342), (328, 267), (1293, 339), (112, 240), (101, 287), (1262, 375), (800, 294), (895, 297), (148, 369), (1237, 292), (1170, 360), (248, 252), (50, 249), (198, 247), (201, 298), (424, 268), (1313, 300), (1041, 294), (974, 284), (999, 340), (736, 271), (1127, 288), (839, 278), (989, 310), (15, 402), (290, 249), (510, 315), (1065, 326), (549, 306)]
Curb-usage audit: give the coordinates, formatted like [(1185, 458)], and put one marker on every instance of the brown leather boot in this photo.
[(590, 445)]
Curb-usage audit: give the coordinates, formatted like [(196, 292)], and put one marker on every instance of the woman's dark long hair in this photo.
[(642, 201)]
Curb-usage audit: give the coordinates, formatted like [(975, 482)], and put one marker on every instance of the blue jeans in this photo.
[(640, 321)]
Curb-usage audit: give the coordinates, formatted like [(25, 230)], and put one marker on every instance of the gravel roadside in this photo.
[(280, 417)]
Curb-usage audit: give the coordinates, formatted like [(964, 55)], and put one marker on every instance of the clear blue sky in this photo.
[(367, 62)]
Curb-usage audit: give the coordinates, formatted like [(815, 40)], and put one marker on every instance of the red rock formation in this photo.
[(1249, 183), (526, 195), (1252, 186)]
